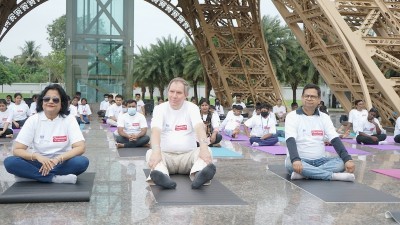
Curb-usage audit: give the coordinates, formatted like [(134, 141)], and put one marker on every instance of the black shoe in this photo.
[(203, 176)]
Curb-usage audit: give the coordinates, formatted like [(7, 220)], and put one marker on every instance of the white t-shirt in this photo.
[(73, 110), (104, 105), (32, 108), (20, 112), (132, 124), (214, 120), (6, 116), (219, 109), (279, 110), (177, 126), (231, 122), (357, 118), (261, 126), (309, 133), (368, 127), (50, 137), (114, 110), (139, 105), (397, 127), (84, 110)]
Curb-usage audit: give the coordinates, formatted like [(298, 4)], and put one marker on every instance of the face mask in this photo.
[(106, 99), (217, 102), (132, 111), (264, 114), (124, 110)]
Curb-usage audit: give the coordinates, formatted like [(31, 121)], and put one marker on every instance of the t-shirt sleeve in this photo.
[(143, 121), (290, 126), (249, 122), (74, 132), (194, 115), (27, 133), (330, 130)]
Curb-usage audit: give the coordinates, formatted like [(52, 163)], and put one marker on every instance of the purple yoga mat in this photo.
[(112, 129), (275, 149), (389, 172), (241, 137), (385, 147), (352, 151), (349, 140)]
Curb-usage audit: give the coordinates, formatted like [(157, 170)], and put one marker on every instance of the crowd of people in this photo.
[(50, 144)]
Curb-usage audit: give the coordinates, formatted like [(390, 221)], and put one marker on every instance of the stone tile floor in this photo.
[(121, 195)]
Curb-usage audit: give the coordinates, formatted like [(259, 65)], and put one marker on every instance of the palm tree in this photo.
[(278, 39), (30, 56), (193, 68)]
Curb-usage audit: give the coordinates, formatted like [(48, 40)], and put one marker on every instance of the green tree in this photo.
[(56, 32), (30, 57), (54, 64), (6, 77), (193, 69)]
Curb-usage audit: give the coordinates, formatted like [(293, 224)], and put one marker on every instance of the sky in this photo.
[(150, 24)]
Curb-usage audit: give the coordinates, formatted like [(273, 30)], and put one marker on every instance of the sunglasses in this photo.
[(47, 99)]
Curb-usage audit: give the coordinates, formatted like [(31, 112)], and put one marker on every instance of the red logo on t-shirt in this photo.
[(317, 133), (135, 124), (59, 138), (372, 128), (180, 127)]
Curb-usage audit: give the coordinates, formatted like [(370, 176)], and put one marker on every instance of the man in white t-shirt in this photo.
[(103, 106), (132, 128), (279, 110), (140, 104), (305, 132), (263, 129), (370, 130), (174, 128), (114, 111), (357, 117)]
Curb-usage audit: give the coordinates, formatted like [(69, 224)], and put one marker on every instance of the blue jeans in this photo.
[(318, 169), (85, 119), (30, 169), (265, 142)]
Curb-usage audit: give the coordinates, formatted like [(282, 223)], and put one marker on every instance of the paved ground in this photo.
[(121, 196)]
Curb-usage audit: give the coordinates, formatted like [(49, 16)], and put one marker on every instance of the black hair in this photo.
[(17, 94), (212, 107), (64, 111), (3, 101), (259, 106), (119, 96), (357, 101), (294, 104), (129, 101), (137, 94), (202, 100), (84, 99), (323, 109), (239, 107), (312, 86), (105, 95), (374, 110)]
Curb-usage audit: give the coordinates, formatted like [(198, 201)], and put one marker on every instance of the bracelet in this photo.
[(32, 156)]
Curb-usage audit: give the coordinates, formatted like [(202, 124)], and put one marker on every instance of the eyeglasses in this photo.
[(47, 99), (312, 97)]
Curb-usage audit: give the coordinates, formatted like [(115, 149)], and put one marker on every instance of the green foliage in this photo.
[(30, 57), (6, 77), (56, 32), (54, 64)]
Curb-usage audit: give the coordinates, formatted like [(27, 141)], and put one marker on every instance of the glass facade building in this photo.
[(99, 48)]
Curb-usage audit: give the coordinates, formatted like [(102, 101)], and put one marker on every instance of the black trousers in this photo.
[(368, 141)]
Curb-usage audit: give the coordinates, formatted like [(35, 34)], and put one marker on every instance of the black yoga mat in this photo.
[(394, 215), (213, 194), (34, 192), (336, 191), (132, 152)]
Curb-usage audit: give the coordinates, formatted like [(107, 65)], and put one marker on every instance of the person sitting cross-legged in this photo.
[(132, 128), (231, 124), (305, 132), (263, 130), (370, 131)]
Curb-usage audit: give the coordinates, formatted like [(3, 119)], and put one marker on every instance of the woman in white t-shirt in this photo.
[(5, 120), (73, 109), (84, 111), (56, 142), (211, 123), (20, 110)]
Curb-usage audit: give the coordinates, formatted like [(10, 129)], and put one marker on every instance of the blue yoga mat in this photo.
[(221, 152)]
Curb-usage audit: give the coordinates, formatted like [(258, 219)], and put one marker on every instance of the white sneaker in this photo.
[(383, 143), (255, 144)]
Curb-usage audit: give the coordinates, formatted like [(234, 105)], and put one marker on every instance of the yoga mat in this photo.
[(221, 152), (112, 129), (352, 151), (132, 152), (394, 215), (337, 191), (241, 137), (274, 150), (385, 147), (349, 140), (389, 172), (34, 192), (213, 194)]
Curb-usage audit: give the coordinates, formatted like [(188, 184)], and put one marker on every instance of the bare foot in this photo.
[(9, 135), (119, 145), (147, 145)]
